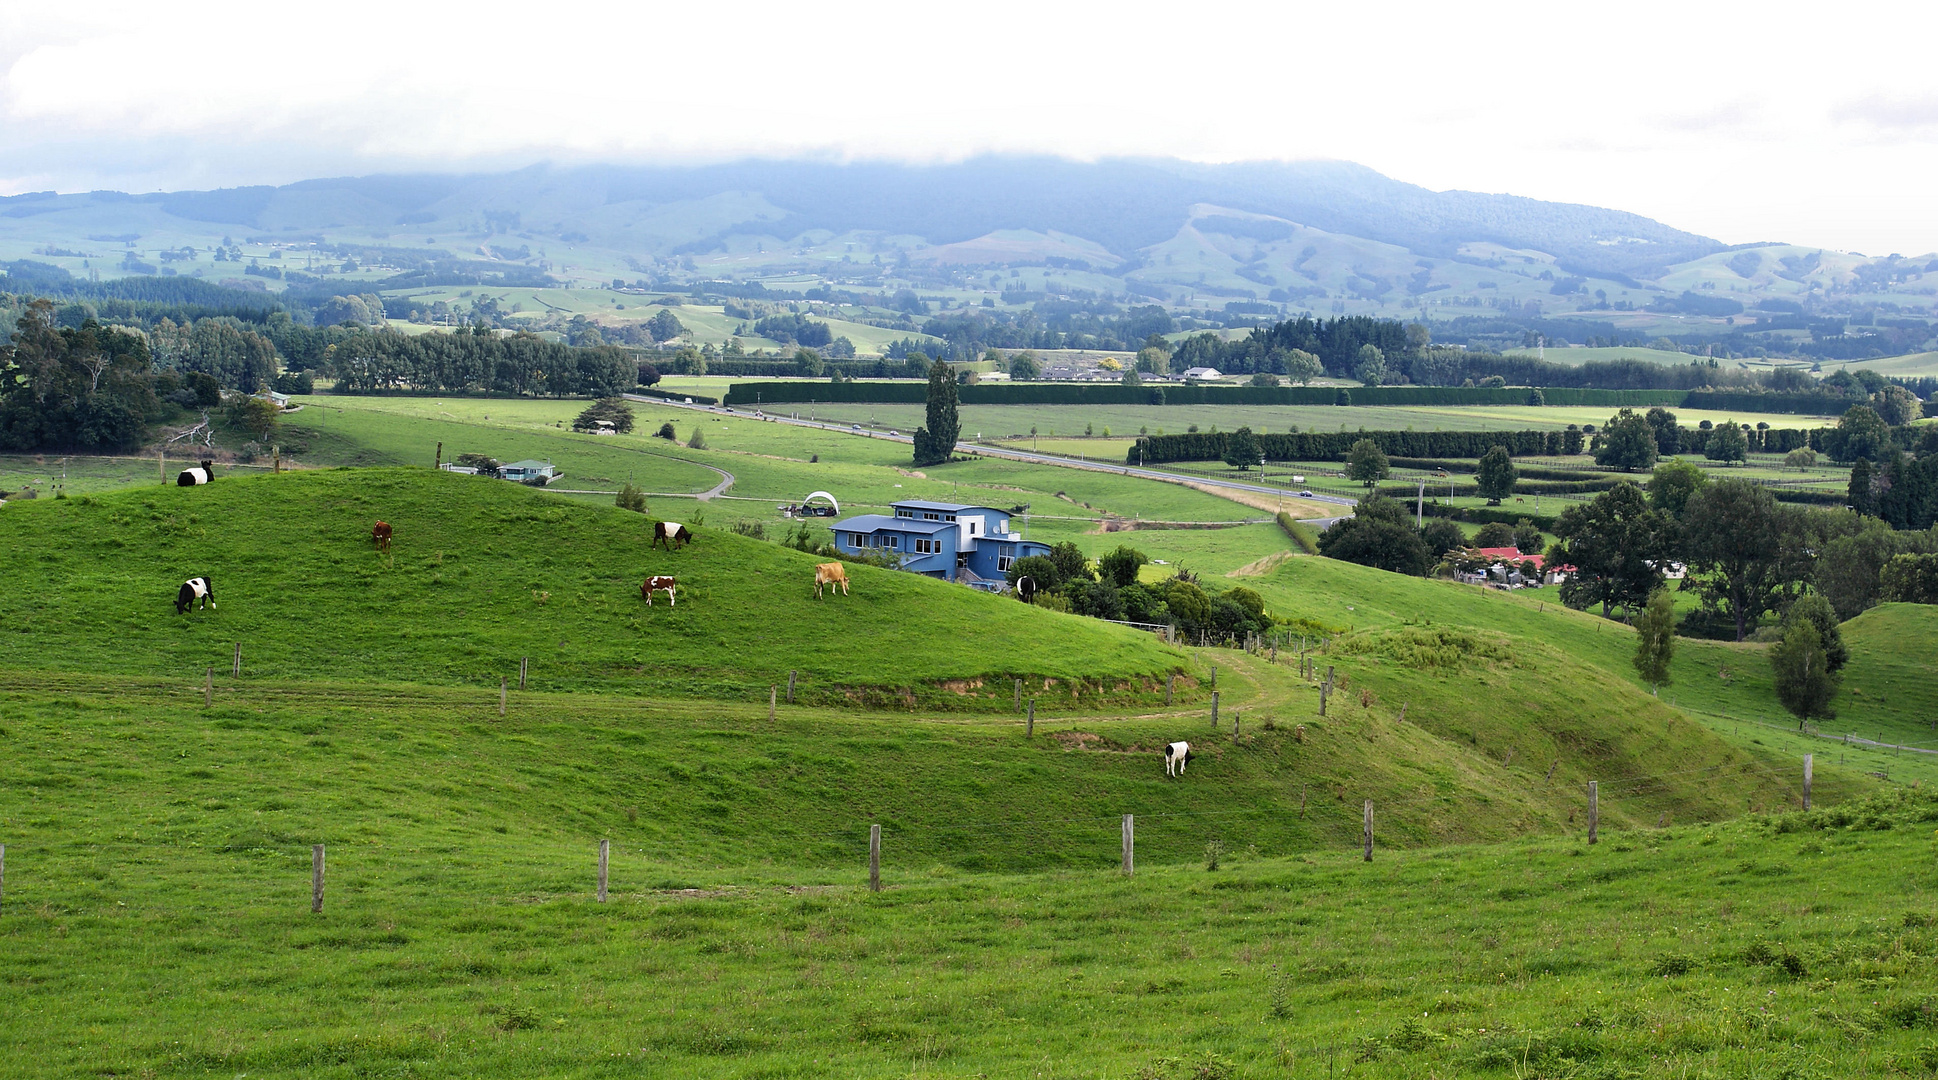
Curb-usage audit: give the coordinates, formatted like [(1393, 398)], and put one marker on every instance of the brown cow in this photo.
[(656, 583), (381, 535), (830, 574), (671, 533)]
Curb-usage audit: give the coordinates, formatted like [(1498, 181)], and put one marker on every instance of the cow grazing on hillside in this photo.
[(192, 477), (195, 588), (1026, 589), (1175, 756), (830, 574), (671, 533), (380, 534), (658, 583)]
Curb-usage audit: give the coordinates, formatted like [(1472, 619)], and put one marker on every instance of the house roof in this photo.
[(948, 508), (878, 522), (528, 465), (1511, 555)]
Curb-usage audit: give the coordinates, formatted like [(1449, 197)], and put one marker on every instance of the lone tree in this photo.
[(1242, 450), (1733, 531), (1366, 463), (613, 410), (936, 442), (1727, 443), (1617, 544), (1628, 442), (1495, 479), (1656, 640), (1804, 682)]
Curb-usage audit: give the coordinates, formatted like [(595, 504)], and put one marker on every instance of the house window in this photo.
[(949, 517), (1005, 555), (930, 515)]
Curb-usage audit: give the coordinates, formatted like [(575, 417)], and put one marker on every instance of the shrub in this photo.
[(666, 432), (630, 498), (697, 440)]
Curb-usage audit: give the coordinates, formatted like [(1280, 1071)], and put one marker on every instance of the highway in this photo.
[(1143, 472)]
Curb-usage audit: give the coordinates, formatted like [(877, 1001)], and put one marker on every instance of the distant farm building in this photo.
[(1203, 373), (528, 472), (954, 542)]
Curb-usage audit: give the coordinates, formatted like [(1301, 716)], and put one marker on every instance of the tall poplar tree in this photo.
[(936, 442)]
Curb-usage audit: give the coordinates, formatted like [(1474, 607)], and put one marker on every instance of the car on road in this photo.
[(1305, 495), (854, 427), (893, 432)]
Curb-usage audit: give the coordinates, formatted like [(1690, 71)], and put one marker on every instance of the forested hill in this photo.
[(1119, 206)]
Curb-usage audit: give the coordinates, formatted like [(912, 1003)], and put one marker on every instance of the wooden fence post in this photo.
[(316, 878), (1214, 710), (1019, 695), (1807, 762), (1594, 810), (605, 848), (874, 858), (1170, 681), (235, 669), (1234, 723), (1130, 838), (772, 693), (1031, 730), (524, 666), (1369, 830), (790, 685), (501, 695)]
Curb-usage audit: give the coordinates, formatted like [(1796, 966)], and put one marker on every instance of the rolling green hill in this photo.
[(484, 572)]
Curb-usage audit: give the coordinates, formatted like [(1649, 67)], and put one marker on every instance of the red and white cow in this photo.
[(658, 583)]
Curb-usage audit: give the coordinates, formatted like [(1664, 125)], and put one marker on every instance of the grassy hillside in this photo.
[(453, 944), (1888, 689), (484, 572)]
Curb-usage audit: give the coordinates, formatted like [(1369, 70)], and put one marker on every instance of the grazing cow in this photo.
[(1175, 756), (192, 477), (195, 588), (657, 583), (671, 533), (830, 574), (1026, 589), (381, 534)]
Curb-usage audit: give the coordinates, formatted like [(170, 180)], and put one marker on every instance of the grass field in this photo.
[(484, 572), (155, 915), (166, 930), (1015, 421)]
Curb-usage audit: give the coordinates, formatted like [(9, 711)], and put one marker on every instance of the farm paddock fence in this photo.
[(601, 868)]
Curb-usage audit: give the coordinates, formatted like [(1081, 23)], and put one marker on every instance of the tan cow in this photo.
[(830, 574)]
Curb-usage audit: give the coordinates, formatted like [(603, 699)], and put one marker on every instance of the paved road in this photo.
[(1022, 455)]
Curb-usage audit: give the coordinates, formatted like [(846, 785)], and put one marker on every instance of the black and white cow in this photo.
[(1026, 589), (193, 477), (1175, 756), (195, 588)]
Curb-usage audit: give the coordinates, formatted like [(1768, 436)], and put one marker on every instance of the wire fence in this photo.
[(1326, 816)]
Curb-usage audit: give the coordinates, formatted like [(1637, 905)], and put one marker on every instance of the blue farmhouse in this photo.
[(970, 544)]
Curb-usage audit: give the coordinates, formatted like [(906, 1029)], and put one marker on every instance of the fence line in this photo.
[(1336, 824)]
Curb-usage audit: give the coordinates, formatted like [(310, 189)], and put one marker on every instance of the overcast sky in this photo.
[(1814, 125)]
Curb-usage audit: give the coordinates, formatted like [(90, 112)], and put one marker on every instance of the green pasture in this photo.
[(1912, 365), (483, 573), (1575, 356), (167, 929), (1015, 421)]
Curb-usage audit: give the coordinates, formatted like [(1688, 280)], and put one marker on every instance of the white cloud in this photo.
[(1740, 121)]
